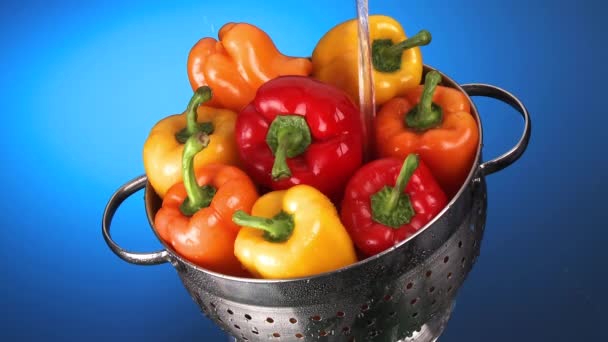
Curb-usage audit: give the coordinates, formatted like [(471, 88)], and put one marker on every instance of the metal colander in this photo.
[(403, 294)]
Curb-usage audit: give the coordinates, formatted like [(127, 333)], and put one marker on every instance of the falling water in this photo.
[(367, 104)]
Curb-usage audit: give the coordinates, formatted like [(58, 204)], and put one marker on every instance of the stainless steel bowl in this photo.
[(405, 293)]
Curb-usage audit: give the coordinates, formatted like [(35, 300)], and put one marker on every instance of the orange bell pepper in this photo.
[(434, 122), (196, 214), (238, 64)]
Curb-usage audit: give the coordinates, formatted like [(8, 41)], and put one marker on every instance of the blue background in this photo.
[(82, 82)]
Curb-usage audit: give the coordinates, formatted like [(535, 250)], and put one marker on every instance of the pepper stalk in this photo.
[(276, 229), (288, 136), (386, 56), (198, 196), (201, 95), (390, 206), (426, 114)]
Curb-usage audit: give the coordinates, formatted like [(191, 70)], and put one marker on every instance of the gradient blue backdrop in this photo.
[(82, 82)]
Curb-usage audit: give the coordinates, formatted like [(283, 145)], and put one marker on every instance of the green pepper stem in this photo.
[(279, 168), (201, 95), (426, 114), (386, 56), (421, 38), (198, 197), (390, 206), (431, 81), (407, 170), (276, 229), (288, 136)]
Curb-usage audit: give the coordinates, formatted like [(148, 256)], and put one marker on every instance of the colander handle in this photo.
[(513, 154), (115, 201)]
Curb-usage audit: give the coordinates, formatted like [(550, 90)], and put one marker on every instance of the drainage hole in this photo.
[(445, 260), (236, 326), (269, 320), (277, 335), (388, 298), (346, 330), (364, 307), (322, 333), (414, 314), (450, 275), (459, 244), (293, 320), (247, 317), (428, 273), (432, 289), (230, 312), (340, 314), (414, 301), (298, 335), (316, 318), (409, 286)]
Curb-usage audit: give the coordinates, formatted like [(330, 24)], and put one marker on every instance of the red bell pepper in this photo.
[(388, 200), (298, 130)]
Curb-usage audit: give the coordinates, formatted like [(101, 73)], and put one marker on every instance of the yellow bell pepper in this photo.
[(397, 61), (162, 153), (292, 233)]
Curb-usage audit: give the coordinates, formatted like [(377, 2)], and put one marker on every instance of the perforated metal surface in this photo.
[(403, 294), (384, 306)]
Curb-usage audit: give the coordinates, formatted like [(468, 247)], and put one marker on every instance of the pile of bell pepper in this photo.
[(263, 175)]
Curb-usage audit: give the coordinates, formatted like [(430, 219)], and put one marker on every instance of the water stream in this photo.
[(366, 88)]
